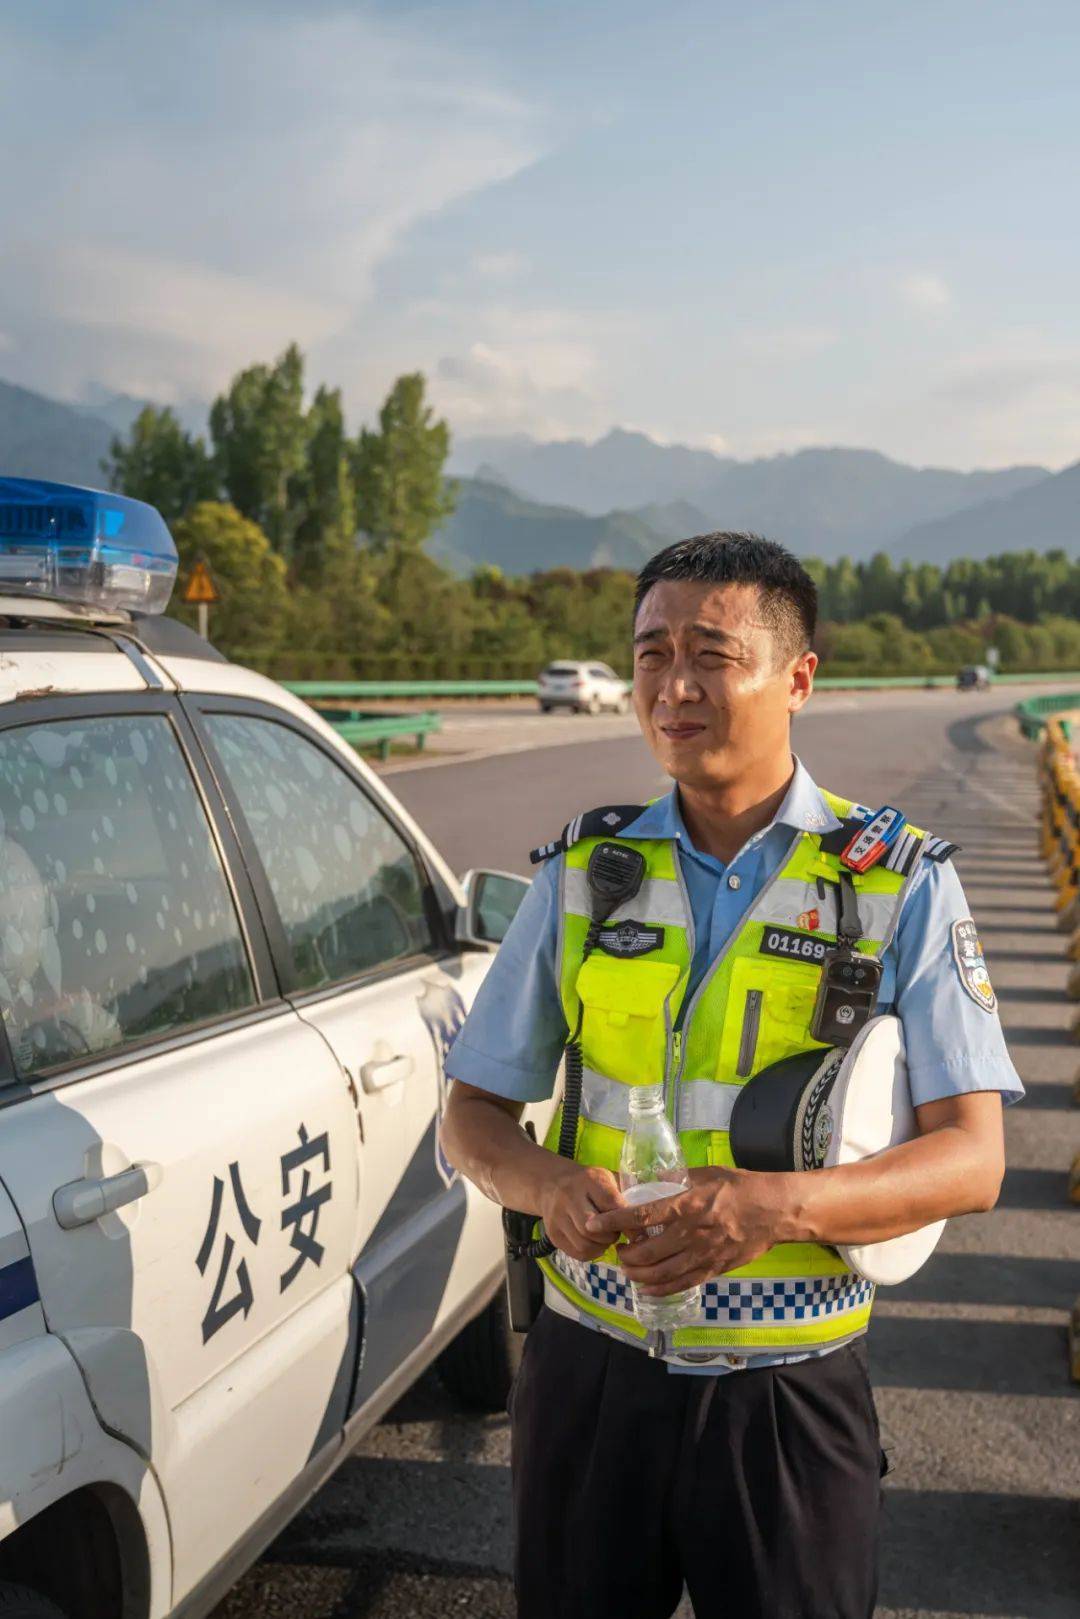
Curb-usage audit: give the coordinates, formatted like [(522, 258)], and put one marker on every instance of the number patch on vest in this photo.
[(630, 939), (793, 946)]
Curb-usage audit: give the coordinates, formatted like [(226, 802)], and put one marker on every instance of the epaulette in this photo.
[(900, 856), (598, 823)]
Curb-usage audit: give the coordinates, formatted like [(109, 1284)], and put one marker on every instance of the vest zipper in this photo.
[(673, 1057), (672, 1103), (750, 1027), (718, 963)]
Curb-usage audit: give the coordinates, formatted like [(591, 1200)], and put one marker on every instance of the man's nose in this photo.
[(679, 686)]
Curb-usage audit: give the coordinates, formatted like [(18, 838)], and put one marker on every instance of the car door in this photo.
[(177, 1140), (363, 950)]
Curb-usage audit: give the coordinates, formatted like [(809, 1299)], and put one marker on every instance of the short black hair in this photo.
[(789, 598)]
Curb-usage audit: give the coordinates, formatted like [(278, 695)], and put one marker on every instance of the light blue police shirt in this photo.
[(512, 1041)]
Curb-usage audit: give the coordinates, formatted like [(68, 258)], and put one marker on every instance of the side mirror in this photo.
[(491, 902)]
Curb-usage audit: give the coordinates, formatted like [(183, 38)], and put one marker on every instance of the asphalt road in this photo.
[(968, 1358)]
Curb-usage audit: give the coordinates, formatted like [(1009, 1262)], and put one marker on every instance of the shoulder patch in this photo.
[(939, 849), (971, 964), (604, 822), (905, 851)]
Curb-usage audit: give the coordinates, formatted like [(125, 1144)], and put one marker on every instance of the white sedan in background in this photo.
[(587, 688)]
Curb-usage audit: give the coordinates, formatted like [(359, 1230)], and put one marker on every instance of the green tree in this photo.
[(248, 573), (260, 443), (401, 494), (162, 464), (322, 492)]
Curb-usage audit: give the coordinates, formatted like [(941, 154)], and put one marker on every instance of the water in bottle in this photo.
[(652, 1167)]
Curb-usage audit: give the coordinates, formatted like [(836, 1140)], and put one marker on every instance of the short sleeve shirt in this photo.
[(512, 1041)]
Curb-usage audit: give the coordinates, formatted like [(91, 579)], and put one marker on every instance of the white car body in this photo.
[(586, 688), (165, 1390)]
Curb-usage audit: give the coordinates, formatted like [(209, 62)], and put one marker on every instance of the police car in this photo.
[(230, 968)]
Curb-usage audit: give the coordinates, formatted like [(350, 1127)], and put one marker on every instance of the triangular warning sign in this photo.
[(200, 587)]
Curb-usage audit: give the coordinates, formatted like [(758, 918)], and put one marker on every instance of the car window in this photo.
[(116, 921), (561, 669), (598, 672), (347, 886)]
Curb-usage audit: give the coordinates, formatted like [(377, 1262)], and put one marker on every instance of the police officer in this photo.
[(741, 1456)]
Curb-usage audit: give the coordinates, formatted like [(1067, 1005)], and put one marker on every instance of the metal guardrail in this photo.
[(361, 730), (1034, 712), (314, 690)]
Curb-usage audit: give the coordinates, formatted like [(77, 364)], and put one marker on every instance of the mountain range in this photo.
[(821, 502), (525, 505)]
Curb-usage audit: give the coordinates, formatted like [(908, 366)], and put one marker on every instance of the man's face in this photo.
[(713, 692)]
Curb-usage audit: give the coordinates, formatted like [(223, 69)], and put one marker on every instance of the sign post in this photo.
[(201, 592)]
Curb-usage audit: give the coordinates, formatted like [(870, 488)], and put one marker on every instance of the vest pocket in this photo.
[(623, 1033), (770, 1005)]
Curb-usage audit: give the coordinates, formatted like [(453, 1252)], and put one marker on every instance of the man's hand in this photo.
[(726, 1219), (573, 1194)]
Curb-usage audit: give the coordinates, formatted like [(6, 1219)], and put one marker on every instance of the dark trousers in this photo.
[(759, 1489)]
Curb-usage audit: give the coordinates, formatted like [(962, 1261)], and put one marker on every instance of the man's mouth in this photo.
[(681, 731)]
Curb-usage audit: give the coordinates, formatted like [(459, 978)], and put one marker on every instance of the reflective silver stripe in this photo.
[(657, 900), (706, 1104), (605, 1101), (556, 1300), (788, 897)]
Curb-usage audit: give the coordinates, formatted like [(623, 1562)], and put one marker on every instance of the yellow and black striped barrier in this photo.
[(1059, 835)]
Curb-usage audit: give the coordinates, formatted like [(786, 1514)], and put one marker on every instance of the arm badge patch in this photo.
[(971, 964)]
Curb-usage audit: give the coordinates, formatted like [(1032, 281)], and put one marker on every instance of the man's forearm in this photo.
[(482, 1137), (947, 1172)]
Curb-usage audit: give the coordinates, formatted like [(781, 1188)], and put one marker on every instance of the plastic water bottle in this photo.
[(652, 1167)]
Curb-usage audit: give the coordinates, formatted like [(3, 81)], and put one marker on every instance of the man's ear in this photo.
[(802, 681)]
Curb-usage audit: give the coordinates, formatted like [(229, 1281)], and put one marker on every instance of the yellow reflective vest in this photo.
[(753, 1008)]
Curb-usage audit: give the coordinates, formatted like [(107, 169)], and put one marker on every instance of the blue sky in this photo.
[(749, 227)]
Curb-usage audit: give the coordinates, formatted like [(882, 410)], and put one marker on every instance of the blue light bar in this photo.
[(85, 546)]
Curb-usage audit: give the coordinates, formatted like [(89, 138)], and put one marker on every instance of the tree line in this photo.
[(317, 542)]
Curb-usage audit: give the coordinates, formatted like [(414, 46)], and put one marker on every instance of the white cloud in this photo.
[(532, 370), (235, 179), (787, 344), (1012, 398), (501, 266), (925, 292)]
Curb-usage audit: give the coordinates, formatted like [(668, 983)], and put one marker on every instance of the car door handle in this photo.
[(81, 1202), (376, 1076)]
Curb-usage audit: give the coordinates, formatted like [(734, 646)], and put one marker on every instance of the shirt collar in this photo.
[(804, 809)]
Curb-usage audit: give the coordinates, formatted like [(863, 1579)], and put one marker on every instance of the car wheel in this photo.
[(479, 1366), (19, 1602), (545, 708), (594, 705), (623, 705)]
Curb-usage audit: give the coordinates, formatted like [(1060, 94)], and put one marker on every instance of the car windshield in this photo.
[(561, 669)]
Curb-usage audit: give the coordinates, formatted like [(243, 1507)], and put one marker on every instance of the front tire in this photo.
[(19, 1602), (478, 1367)]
